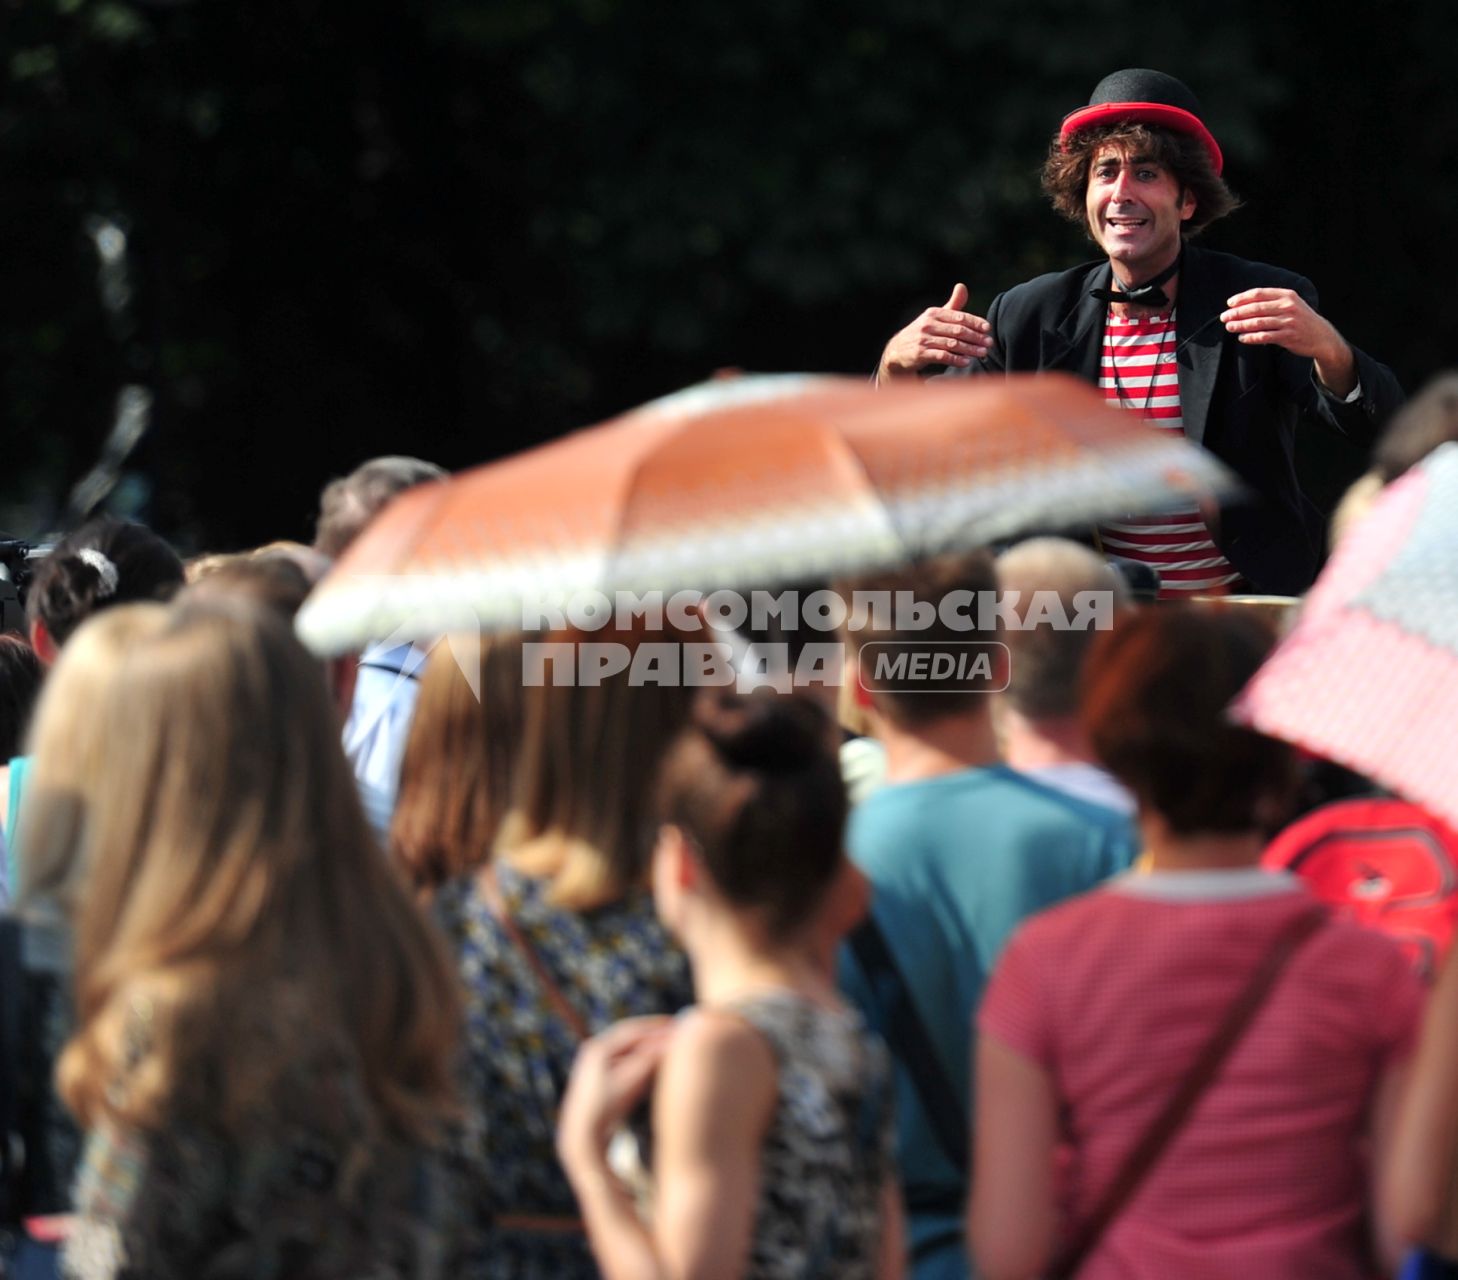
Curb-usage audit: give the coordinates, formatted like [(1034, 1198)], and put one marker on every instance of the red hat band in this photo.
[(1156, 113)]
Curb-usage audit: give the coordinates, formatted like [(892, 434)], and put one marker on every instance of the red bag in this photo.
[(1382, 862)]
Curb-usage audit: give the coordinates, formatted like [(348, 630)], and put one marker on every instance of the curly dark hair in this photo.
[(1065, 172)]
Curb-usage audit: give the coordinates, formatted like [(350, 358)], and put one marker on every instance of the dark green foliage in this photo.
[(457, 227)]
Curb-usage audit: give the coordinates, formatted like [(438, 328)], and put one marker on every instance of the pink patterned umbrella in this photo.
[(1368, 677)]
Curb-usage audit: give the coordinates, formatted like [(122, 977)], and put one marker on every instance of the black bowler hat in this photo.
[(1146, 97)]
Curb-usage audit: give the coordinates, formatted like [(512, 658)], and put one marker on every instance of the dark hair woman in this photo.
[(771, 1117)]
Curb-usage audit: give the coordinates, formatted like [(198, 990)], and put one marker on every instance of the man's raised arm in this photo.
[(946, 335), (1290, 318), (1285, 318)]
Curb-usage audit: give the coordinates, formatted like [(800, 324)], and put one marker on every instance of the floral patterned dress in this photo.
[(612, 963)]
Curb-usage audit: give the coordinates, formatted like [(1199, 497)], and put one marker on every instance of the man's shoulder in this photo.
[(1053, 288), (1241, 273), (988, 805)]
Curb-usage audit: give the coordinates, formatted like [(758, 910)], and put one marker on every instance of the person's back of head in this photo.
[(754, 786), (348, 504), (1155, 697), (103, 563), (20, 679), (1428, 420), (931, 605), (233, 884), (311, 563), (1065, 594), (271, 579), (459, 768), (590, 752)]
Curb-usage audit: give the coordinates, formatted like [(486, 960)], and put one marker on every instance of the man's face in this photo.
[(1135, 211)]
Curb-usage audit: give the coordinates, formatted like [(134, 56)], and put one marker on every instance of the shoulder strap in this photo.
[(496, 902), (1201, 1075), (912, 1046), (533, 1224)]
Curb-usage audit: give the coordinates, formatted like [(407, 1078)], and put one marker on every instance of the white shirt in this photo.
[(379, 717)]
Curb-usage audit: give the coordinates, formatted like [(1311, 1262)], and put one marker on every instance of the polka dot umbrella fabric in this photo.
[(748, 483), (1368, 677)]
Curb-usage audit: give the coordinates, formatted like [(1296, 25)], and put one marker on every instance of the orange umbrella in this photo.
[(749, 482)]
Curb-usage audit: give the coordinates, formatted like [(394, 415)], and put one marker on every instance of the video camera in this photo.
[(18, 559)]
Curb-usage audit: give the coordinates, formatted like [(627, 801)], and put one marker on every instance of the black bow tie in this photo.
[(1148, 294)]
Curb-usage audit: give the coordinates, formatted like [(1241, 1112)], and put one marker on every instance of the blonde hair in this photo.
[(589, 759), (237, 905), (312, 564), (208, 563), (69, 749), (1045, 662), (1355, 503)]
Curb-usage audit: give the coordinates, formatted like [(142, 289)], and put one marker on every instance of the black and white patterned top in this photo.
[(829, 1147)]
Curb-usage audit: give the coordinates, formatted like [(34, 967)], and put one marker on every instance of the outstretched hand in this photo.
[(945, 335), (1284, 318)]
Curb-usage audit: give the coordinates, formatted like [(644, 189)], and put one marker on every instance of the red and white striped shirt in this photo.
[(1138, 371)]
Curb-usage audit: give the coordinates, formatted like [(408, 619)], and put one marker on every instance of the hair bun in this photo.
[(762, 731)]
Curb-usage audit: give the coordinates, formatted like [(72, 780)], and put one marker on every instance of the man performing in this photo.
[(1234, 354)]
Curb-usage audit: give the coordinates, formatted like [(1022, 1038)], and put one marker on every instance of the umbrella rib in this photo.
[(872, 490), (835, 441), (620, 516)]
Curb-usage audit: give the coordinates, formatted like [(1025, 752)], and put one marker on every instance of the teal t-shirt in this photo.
[(19, 770), (956, 862)]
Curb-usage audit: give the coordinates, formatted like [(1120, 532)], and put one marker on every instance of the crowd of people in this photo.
[(398, 965)]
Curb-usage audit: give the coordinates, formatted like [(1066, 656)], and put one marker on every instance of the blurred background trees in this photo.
[(314, 232)]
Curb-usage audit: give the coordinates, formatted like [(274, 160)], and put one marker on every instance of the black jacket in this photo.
[(1242, 402)]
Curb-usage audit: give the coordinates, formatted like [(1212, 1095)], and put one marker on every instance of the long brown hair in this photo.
[(590, 753), (236, 902), (69, 749), (459, 768)]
